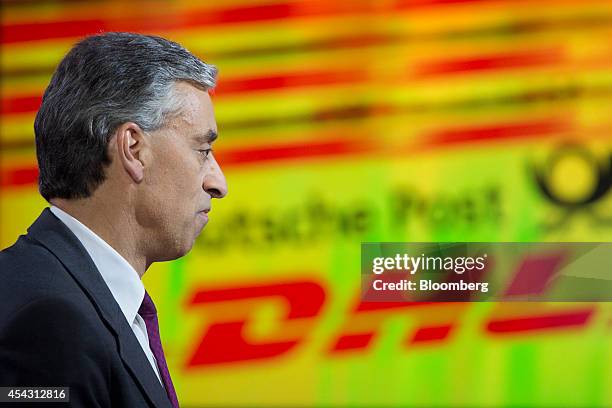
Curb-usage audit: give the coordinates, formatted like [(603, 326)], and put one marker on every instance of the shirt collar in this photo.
[(120, 277)]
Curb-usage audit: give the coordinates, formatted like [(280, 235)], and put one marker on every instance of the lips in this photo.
[(203, 215)]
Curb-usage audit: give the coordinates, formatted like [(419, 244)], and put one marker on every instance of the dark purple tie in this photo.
[(149, 314)]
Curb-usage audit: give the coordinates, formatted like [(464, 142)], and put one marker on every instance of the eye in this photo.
[(205, 152)]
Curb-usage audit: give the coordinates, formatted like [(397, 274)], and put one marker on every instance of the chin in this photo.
[(178, 243), (185, 249), (176, 252)]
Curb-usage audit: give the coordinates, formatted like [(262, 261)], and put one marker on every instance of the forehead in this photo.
[(196, 114)]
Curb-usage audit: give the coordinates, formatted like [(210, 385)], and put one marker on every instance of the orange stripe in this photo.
[(27, 175), (21, 32), (495, 62), (298, 79)]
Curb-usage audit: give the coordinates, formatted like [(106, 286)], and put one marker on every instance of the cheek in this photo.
[(175, 188), (157, 197), (188, 180)]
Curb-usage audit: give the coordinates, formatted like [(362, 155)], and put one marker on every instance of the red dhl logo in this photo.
[(224, 342)]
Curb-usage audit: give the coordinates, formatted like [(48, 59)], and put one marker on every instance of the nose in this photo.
[(214, 180)]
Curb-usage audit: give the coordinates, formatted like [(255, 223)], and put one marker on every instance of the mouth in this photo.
[(203, 215)]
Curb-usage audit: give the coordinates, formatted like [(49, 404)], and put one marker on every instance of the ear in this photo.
[(130, 141)]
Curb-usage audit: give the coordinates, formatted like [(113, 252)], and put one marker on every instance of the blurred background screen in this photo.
[(344, 122)]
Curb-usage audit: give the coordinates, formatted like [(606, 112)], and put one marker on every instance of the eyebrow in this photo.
[(207, 137)]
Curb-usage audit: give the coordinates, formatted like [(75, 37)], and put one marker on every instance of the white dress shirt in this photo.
[(120, 277)]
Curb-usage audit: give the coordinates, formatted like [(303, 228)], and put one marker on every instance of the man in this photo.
[(123, 141)]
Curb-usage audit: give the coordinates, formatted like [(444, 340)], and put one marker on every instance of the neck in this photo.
[(111, 223)]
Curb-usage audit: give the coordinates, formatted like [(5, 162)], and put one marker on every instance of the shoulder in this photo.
[(25, 255), (53, 342), (59, 310), (39, 297), (42, 306), (54, 322), (29, 272)]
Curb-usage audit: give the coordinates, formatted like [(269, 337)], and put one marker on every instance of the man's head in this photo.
[(127, 121)]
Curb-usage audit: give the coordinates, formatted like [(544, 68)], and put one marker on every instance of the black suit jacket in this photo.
[(61, 326)]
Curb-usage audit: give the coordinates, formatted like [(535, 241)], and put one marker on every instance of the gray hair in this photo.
[(104, 81)]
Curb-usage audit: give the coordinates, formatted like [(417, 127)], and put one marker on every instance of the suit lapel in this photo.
[(57, 238)]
